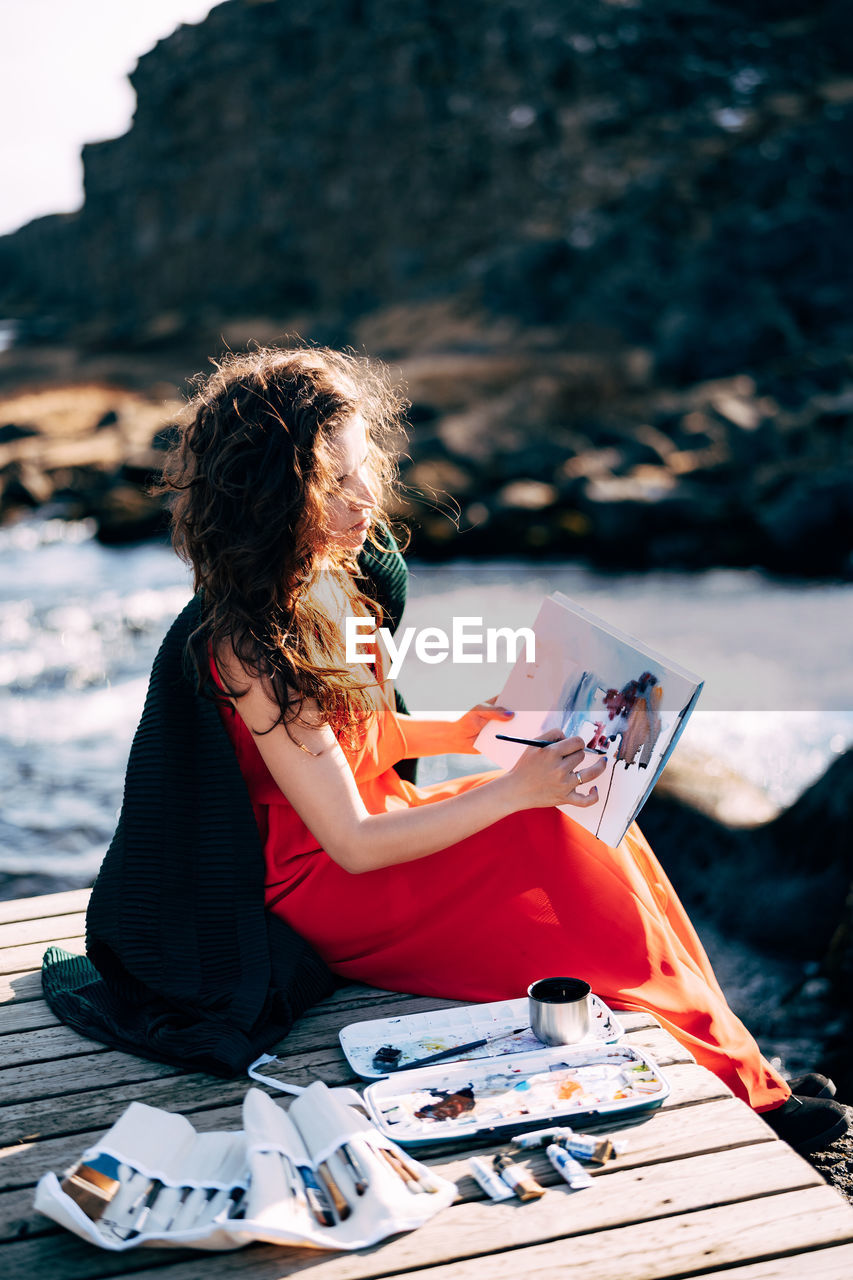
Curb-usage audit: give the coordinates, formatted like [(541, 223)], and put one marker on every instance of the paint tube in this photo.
[(568, 1167), (92, 1186), (489, 1181), (521, 1180), (585, 1146), (540, 1137)]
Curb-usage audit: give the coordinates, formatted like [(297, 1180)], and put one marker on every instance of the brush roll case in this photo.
[(162, 1183)]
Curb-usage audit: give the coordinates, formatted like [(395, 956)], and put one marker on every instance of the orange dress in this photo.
[(532, 896)]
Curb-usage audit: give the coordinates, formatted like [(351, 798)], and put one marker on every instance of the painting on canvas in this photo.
[(627, 703)]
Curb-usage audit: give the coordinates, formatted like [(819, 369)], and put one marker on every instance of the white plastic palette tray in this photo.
[(576, 1083), (420, 1034)]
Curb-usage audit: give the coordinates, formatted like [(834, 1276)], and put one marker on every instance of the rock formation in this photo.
[(607, 242), (667, 175), (784, 889)]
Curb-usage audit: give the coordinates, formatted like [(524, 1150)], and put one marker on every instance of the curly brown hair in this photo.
[(248, 478)]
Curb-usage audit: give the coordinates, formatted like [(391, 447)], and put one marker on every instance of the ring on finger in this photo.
[(579, 779)]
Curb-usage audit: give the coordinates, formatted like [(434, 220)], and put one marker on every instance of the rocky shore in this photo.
[(780, 884), (605, 243), (773, 901), (518, 445)]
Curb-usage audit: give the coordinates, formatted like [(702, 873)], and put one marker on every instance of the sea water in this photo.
[(80, 624)]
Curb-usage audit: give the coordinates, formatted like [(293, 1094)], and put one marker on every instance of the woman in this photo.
[(468, 889)]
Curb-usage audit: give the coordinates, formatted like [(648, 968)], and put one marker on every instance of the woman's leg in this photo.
[(692, 1006), (531, 896)]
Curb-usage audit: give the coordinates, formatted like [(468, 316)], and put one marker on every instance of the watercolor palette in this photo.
[(418, 1035), (568, 1082)]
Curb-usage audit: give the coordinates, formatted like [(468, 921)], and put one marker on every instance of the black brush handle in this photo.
[(459, 1048)]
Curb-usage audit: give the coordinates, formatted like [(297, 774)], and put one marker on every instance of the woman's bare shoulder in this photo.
[(253, 696), (232, 672)]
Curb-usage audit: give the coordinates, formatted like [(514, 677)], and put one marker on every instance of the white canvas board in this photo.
[(624, 700)]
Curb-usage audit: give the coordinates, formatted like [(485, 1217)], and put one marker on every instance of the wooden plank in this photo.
[(358, 994), (655, 1226), (358, 1001), (455, 1168), (48, 904), (81, 1120), (724, 1124), (26, 1160), (43, 1045), (310, 1032), (45, 929), (51, 1040), (668, 1135), (356, 997), (26, 1015), (18, 1218), (64, 1078), (35, 1015), (202, 1098), (320, 1030), (834, 1263), (19, 987), (28, 958), (69, 1095), (659, 1044), (798, 1222), (94, 1072), (86, 1072)]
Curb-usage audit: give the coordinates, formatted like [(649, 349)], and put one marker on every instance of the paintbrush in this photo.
[(524, 742), (536, 742), (458, 1048)]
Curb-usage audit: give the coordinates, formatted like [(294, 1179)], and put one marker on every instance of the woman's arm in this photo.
[(427, 737), (438, 737), (313, 773)]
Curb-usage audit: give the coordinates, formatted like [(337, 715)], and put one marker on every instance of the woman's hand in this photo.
[(467, 727), (545, 776)]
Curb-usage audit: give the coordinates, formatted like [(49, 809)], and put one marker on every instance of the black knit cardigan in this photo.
[(184, 963)]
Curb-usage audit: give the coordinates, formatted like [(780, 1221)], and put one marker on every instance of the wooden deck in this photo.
[(704, 1188)]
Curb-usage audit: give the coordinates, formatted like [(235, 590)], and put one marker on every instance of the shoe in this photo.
[(812, 1085), (808, 1124)]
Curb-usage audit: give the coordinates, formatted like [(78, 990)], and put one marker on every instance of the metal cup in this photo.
[(559, 1010)]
